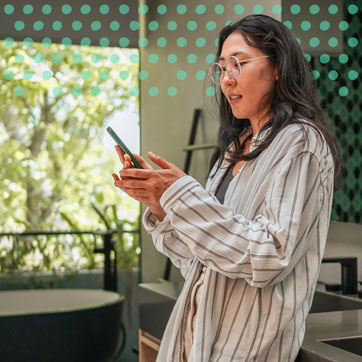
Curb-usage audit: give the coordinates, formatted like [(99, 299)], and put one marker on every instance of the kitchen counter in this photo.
[(157, 300)]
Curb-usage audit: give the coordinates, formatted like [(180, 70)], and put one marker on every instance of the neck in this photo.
[(258, 122)]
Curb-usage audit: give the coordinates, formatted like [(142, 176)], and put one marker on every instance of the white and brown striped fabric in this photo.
[(262, 250)]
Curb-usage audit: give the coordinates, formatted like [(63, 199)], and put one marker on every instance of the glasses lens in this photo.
[(215, 72), (233, 67)]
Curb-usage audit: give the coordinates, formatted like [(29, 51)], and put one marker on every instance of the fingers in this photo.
[(120, 153), (159, 161), (115, 177), (142, 161)]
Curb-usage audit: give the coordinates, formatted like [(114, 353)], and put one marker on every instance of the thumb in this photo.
[(159, 161)]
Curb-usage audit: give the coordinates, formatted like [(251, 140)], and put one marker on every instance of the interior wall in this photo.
[(166, 118)]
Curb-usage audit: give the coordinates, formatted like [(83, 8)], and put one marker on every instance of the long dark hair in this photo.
[(293, 98)]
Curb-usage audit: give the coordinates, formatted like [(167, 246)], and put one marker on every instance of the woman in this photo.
[(250, 244)]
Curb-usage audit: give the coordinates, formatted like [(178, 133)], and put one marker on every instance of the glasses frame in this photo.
[(239, 62)]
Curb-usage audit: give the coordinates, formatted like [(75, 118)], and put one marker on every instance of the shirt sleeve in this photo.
[(263, 250), (167, 242)]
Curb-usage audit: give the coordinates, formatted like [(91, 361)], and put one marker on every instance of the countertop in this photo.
[(157, 300)]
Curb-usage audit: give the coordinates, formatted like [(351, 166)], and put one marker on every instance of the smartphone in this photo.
[(124, 148)]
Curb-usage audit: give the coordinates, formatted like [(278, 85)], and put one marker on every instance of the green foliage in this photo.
[(53, 162)]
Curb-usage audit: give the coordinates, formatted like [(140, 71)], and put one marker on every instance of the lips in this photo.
[(234, 97)]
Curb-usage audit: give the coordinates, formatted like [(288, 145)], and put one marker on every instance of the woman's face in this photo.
[(248, 94)]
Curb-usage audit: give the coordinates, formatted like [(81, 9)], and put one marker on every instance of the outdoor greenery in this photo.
[(55, 174)]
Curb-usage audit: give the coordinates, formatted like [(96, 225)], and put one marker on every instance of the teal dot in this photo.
[(200, 75), (153, 91), (77, 25), (305, 25), (200, 9), (333, 9), (57, 91), (47, 42), (181, 42), (288, 24), (153, 58), (191, 25), (352, 75), (38, 25), (142, 42), (277, 9), (142, 75), (210, 58), (47, 74), (134, 91), (9, 9), (308, 57), (258, 9), (192, 58), (353, 9), (104, 9), (172, 91), (239, 9), (85, 42), (66, 41), (332, 75), (76, 91), (28, 42), (96, 25), (28, 9), (124, 9), (66, 9), (134, 25), (85, 9), (95, 58), (343, 58), (315, 74), (200, 42), (314, 42), (28, 74), (161, 42), (333, 42), (210, 91), (352, 42), (19, 25), (124, 42), (324, 58), (134, 58), (104, 42), (19, 91), (343, 91), (181, 9), (114, 25), (57, 58), (153, 25), (324, 25), (76, 58), (143, 9), (123, 74), (57, 25), (343, 25), (19, 58), (219, 9), (295, 9), (172, 58), (211, 25), (96, 91), (217, 42), (162, 9), (314, 9), (46, 9), (172, 25), (8, 42), (9, 74), (85, 75), (181, 75), (38, 58), (114, 58)]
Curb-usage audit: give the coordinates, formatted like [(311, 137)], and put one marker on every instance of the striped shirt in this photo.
[(262, 250)]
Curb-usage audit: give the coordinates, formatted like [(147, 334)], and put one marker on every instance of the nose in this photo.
[(227, 79)]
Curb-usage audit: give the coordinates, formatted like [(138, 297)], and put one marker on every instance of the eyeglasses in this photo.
[(232, 66)]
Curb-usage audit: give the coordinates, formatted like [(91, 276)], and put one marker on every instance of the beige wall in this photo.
[(165, 120)]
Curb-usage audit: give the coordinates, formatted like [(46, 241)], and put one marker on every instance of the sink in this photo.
[(329, 302), (350, 344)]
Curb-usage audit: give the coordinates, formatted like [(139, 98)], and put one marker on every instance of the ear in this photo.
[(276, 73)]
